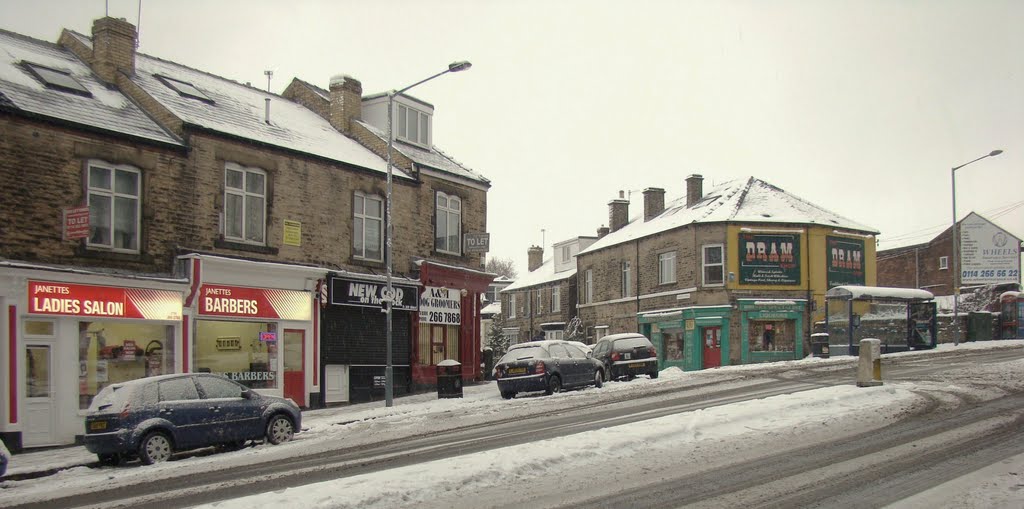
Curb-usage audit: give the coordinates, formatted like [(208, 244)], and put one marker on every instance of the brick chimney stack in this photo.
[(694, 189), (602, 231), (113, 48), (535, 257), (346, 102), (618, 212), (654, 202)]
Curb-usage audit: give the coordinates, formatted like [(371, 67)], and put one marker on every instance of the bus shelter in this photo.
[(902, 318)]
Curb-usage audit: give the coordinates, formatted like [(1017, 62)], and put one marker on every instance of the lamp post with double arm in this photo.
[(389, 232), (956, 250)]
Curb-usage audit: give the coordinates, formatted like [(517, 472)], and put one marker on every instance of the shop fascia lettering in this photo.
[(251, 376), (367, 293), (219, 300), (440, 298), (105, 301)]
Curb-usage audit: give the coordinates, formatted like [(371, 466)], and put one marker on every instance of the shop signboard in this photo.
[(76, 223), (769, 259), (477, 242), (441, 306), (51, 298), (245, 302), (353, 292), (987, 253), (845, 261)]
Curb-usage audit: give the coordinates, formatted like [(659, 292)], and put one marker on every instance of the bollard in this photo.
[(869, 367)]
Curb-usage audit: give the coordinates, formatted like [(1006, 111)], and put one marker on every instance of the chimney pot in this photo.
[(602, 231), (694, 189), (535, 258), (113, 48), (346, 102), (654, 202)]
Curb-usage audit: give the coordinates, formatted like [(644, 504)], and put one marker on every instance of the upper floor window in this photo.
[(114, 205), (185, 89), (943, 263), (588, 286), (448, 230), (667, 268), (540, 301), (512, 306), (368, 222), (556, 300), (714, 265), (627, 279), (57, 79), (245, 204), (413, 125), (566, 253)]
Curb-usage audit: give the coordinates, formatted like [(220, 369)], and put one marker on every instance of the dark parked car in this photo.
[(151, 418), (5, 458), (547, 366), (627, 355)]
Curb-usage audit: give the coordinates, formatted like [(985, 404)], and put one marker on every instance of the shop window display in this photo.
[(119, 351), (245, 352), (772, 335)]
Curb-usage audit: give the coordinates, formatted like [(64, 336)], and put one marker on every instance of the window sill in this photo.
[(96, 253), (249, 248)]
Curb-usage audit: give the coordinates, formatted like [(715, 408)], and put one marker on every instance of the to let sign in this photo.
[(478, 242), (76, 223)]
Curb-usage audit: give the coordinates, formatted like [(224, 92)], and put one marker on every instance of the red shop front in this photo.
[(449, 322)]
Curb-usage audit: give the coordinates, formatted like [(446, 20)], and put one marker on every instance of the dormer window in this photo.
[(413, 125), (60, 80), (185, 89)]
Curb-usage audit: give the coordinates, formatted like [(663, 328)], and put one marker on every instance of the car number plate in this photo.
[(98, 425), (636, 365), (516, 371)]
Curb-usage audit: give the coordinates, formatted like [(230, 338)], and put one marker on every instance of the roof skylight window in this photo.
[(60, 80), (185, 89)]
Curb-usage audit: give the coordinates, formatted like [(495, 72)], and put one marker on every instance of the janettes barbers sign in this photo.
[(354, 292)]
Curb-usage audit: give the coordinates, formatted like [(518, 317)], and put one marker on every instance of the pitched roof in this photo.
[(541, 275), (103, 108), (746, 201)]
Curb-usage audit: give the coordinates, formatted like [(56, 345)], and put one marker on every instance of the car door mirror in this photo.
[(590, 355), (247, 394)]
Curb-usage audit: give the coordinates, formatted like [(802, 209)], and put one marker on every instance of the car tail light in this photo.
[(539, 367), (124, 411), (499, 372), (615, 356), (652, 351)]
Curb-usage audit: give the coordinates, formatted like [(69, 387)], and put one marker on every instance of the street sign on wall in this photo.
[(478, 242)]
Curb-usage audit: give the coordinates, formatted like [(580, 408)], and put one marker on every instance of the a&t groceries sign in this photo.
[(441, 306), (988, 254), (48, 298)]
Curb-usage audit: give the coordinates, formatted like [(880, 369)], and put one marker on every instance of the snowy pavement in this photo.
[(706, 434)]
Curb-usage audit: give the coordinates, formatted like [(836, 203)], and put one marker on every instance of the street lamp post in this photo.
[(956, 250), (389, 233)]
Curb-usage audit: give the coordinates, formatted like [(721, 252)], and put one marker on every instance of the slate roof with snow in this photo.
[(747, 201), (106, 109), (433, 158), (239, 110), (542, 275)]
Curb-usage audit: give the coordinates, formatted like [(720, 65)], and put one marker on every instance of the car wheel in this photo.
[(554, 385), (508, 395), (279, 429), (653, 374), (154, 448), (110, 460), (598, 379)]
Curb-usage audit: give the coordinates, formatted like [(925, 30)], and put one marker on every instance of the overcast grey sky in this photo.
[(861, 107)]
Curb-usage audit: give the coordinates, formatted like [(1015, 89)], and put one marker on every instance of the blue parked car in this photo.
[(151, 418), (5, 458), (547, 366)]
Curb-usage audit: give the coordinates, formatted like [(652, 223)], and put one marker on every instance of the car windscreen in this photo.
[(110, 398), (519, 354), (631, 343)]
